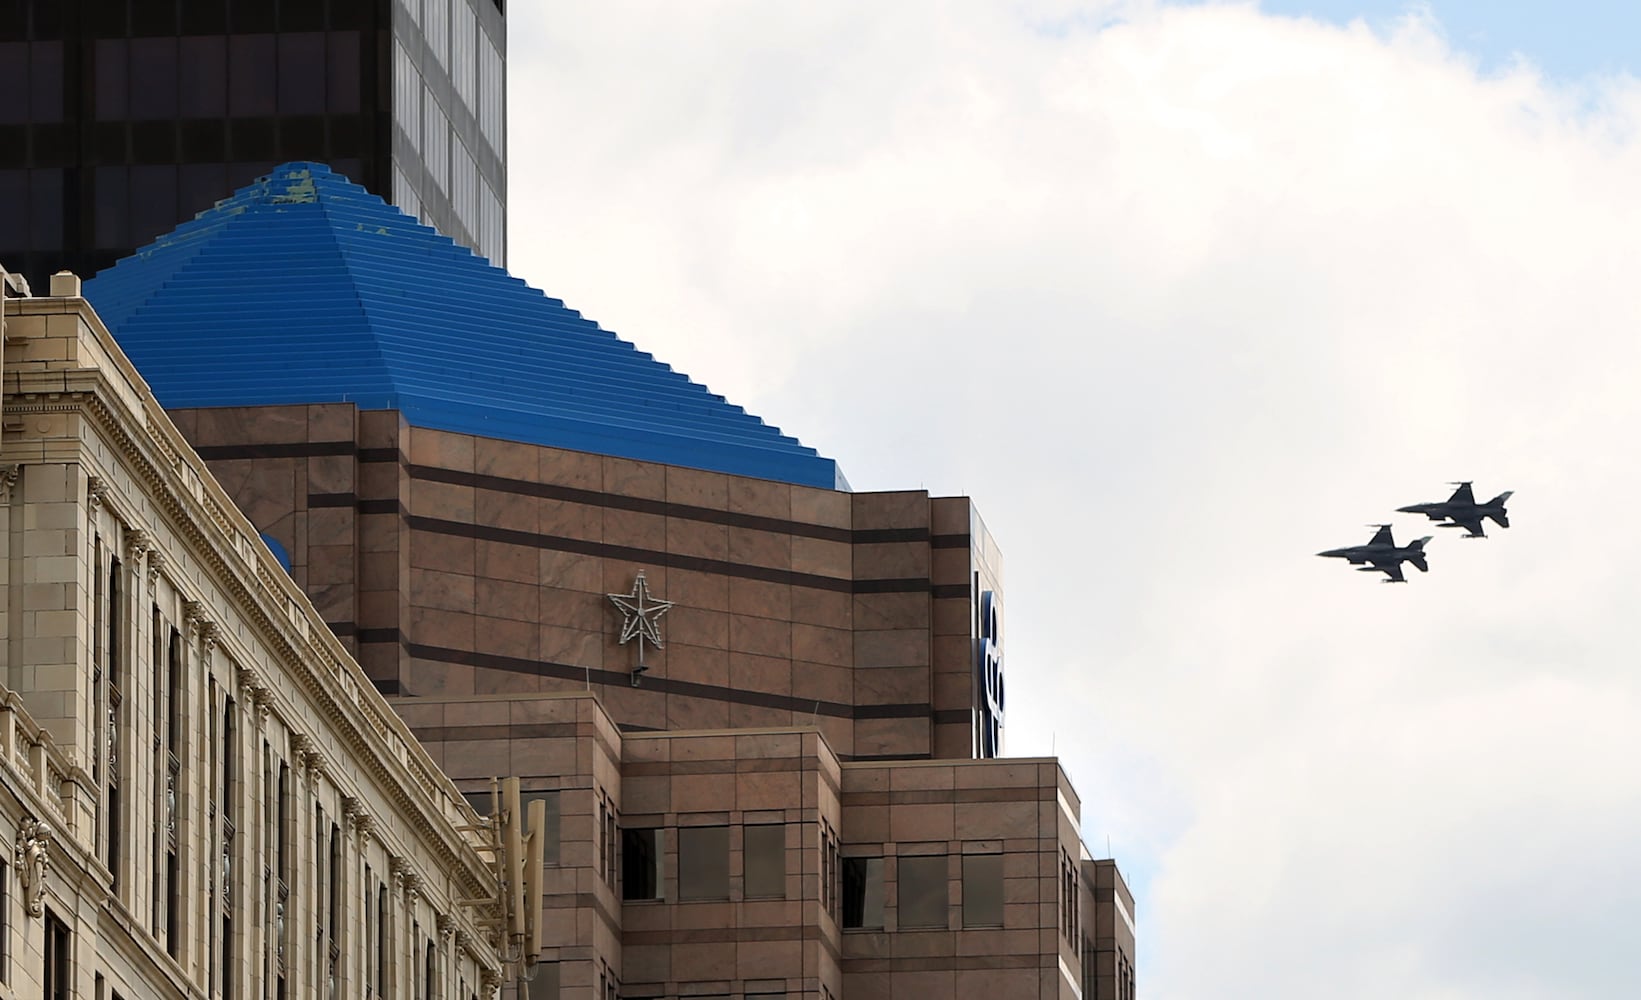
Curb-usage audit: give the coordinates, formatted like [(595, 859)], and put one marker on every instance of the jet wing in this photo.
[(1471, 523), (1392, 569), (1382, 536), (1462, 495)]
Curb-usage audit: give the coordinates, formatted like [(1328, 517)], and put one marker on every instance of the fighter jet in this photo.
[(1462, 511), (1381, 554)]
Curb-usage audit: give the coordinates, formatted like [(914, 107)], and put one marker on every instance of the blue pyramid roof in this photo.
[(305, 288)]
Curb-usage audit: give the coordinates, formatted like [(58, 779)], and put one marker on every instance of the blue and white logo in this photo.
[(989, 674)]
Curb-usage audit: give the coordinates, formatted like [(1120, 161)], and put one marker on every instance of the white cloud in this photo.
[(1181, 300)]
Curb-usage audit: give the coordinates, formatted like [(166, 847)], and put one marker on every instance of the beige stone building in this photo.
[(201, 793)]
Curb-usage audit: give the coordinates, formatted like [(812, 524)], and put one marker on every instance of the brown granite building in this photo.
[(762, 711), (461, 565)]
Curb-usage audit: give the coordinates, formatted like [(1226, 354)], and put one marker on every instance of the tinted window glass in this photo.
[(863, 892), (251, 75), (200, 185), (922, 887), (703, 862), (982, 890), (113, 208), (641, 864), (765, 861), (203, 76), (112, 87), (302, 73), (13, 210), (342, 72), (153, 202), (46, 85), (153, 78), (14, 82), (45, 202)]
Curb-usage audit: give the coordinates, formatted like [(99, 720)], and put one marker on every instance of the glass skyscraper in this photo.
[(121, 118)]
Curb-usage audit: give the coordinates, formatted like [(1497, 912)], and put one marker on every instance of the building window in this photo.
[(370, 931), (381, 937), (1069, 903), (54, 973), (116, 681), (5, 924), (862, 892), (463, 57), (829, 869), (982, 890), (428, 977), (407, 97), (173, 782), (923, 891), (282, 866), (641, 852), (764, 857), (333, 955), (703, 862), (608, 822)]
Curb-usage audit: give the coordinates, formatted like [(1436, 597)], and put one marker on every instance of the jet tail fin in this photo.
[(1419, 562), (1501, 518), (1501, 499)]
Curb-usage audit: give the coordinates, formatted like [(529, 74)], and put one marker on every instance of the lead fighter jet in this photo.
[(1462, 511), (1382, 554)]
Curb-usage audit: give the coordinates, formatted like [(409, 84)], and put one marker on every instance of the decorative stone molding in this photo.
[(308, 756), (250, 683), (96, 491), (405, 879), (8, 480), (156, 563), (138, 543), (32, 857), (210, 633), (254, 691), (446, 927), (359, 819), (193, 617)]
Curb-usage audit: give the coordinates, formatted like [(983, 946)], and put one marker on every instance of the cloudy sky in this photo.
[(1182, 294)]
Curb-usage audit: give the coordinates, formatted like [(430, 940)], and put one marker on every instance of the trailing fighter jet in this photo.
[(1382, 554), (1462, 511)]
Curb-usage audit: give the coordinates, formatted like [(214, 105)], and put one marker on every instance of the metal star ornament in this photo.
[(640, 619)]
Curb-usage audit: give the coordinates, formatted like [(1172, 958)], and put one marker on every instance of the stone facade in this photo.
[(458, 565), (795, 799), (201, 793), (757, 863)]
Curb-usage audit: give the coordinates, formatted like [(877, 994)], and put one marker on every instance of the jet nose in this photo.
[(1409, 509)]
